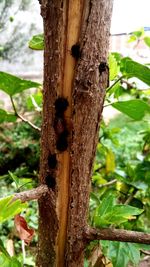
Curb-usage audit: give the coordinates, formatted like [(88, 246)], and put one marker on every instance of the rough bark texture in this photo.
[(52, 14), (88, 96), (91, 234), (63, 211)]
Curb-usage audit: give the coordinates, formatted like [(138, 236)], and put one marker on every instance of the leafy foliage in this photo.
[(120, 181), (121, 174), (12, 85), (9, 208)]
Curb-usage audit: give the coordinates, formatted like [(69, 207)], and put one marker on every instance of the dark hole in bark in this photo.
[(50, 181), (59, 125), (62, 142), (102, 67), (61, 105), (52, 161), (75, 51)]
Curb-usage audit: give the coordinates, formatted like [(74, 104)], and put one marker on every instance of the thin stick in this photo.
[(107, 184), (109, 88), (22, 118), (23, 251)]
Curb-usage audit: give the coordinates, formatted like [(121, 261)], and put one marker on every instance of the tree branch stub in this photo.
[(91, 234)]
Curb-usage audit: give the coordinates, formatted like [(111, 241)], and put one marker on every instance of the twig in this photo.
[(145, 252), (22, 118), (23, 251), (108, 184), (130, 85), (129, 199), (35, 193), (109, 88), (91, 234)]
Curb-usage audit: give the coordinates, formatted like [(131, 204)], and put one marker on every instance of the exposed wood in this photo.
[(91, 234), (72, 11)]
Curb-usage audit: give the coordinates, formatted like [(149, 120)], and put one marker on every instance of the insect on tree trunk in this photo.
[(76, 36)]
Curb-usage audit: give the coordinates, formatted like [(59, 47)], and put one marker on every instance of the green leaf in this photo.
[(15, 178), (147, 40), (117, 254), (12, 85), (113, 67), (37, 42), (94, 198), (107, 213), (6, 117), (139, 33), (131, 68), (135, 109), (9, 262), (121, 253), (121, 214), (116, 89), (35, 102), (110, 161), (14, 262), (104, 208), (9, 208), (86, 264), (133, 253), (132, 38), (4, 261), (3, 250)]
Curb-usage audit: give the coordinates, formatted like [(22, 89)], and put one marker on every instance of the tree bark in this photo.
[(63, 214)]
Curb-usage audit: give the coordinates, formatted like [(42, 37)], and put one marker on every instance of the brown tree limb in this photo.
[(22, 118), (32, 194), (91, 234)]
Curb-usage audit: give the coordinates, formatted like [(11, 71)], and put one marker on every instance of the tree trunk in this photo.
[(79, 74)]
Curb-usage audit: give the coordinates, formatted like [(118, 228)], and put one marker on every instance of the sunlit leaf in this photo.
[(9, 208), (139, 33), (12, 85), (35, 102), (147, 40), (132, 38), (130, 68), (110, 161), (113, 67), (37, 42), (135, 108), (9, 261)]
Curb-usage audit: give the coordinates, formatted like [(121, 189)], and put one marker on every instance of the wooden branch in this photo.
[(32, 194), (91, 234)]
